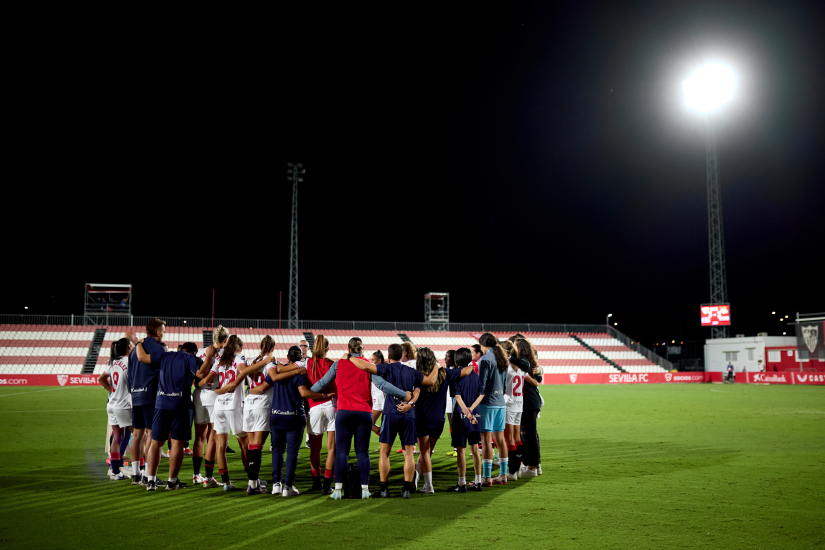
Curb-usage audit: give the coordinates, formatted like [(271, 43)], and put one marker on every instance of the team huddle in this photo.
[(488, 392)]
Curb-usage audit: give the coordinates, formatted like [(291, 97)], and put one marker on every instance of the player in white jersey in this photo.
[(377, 358), (204, 401), (228, 409), (119, 409), (256, 411)]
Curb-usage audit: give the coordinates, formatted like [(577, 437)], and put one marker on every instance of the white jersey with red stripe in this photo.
[(233, 400), (514, 390), (206, 395), (263, 401), (121, 398)]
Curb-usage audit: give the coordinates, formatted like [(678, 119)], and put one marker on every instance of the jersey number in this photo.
[(225, 376), (516, 386), (115, 378)]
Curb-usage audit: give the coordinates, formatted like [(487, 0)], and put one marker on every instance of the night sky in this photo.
[(534, 160)]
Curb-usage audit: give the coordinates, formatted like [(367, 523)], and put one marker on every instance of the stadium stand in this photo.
[(56, 349)]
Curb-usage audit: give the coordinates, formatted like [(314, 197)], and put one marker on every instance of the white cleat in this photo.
[(229, 486), (211, 483), (512, 477), (198, 479), (365, 494), (276, 488), (427, 490), (336, 495), (290, 492), (530, 473), (119, 476), (163, 455), (262, 484), (539, 469)]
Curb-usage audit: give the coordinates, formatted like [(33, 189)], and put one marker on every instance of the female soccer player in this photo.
[(288, 391), (449, 363), (204, 400), (255, 412), (492, 369), (513, 400), (465, 428), (377, 358), (429, 412), (115, 380), (321, 418), (527, 363), (353, 419), (229, 405), (409, 354)]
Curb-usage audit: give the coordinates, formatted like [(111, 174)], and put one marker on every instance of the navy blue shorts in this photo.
[(432, 430), (462, 439), (142, 416), (175, 421), (401, 425)]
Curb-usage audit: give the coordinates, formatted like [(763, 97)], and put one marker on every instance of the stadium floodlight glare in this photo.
[(710, 87), (607, 320)]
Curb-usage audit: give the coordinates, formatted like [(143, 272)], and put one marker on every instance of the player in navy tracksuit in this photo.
[(143, 383), (465, 424), (176, 372), (429, 411), (287, 421), (399, 419)]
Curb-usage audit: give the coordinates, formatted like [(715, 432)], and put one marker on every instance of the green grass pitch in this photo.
[(631, 466)]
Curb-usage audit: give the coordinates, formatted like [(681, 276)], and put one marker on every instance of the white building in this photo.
[(746, 352)]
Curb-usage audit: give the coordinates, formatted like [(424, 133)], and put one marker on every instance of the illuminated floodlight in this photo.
[(709, 87)]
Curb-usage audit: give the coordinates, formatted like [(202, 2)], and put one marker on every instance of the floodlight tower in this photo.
[(709, 88), (294, 171)]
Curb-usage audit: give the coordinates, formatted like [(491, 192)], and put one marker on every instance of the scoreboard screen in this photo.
[(715, 315)]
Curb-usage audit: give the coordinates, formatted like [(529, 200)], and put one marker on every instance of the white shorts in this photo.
[(119, 417), (449, 404), (204, 414), (377, 399), (226, 421), (322, 419), (256, 420), (513, 417)]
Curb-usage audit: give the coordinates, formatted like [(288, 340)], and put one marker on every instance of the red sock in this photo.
[(327, 473), (511, 447), (115, 456), (142, 464), (314, 472), (254, 447)]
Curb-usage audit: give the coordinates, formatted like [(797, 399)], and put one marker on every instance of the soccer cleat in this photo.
[(229, 450), (386, 493), (498, 480), (336, 495), (427, 490), (458, 489), (163, 455), (108, 462), (453, 453), (290, 491), (161, 483), (262, 483), (474, 487), (486, 483), (188, 452), (152, 486), (539, 469), (211, 483), (405, 493), (135, 480), (365, 494), (118, 477), (126, 470), (197, 478), (175, 485), (144, 481), (277, 488), (530, 473), (229, 486), (258, 490), (512, 477), (399, 451)]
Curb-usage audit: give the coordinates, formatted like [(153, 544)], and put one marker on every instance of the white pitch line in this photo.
[(55, 411), (38, 391)]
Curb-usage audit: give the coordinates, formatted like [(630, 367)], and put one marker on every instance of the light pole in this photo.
[(707, 90), (607, 320)]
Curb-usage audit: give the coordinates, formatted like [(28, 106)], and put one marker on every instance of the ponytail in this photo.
[(355, 345), (119, 349), (319, 353), (267, 345), (220, 335), (425, 362), (489, 341), (233, 346)]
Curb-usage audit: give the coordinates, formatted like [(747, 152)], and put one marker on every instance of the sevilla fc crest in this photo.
[(62, 379), (573, 378), (810, 335)]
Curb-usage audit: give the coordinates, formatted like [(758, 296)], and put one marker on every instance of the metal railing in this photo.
[(103, 319), (637, 347)]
